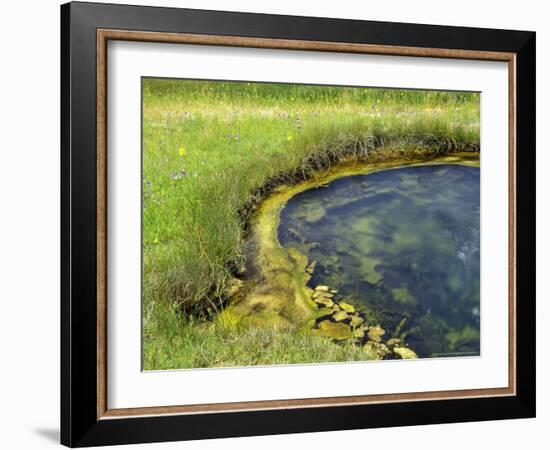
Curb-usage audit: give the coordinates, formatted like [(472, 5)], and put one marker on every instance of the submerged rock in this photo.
[(356, 321), (347, 307), (405, 353), (339, 316), (338, 331), (375, 333), (317, 294), (326, 302), (393, 342), (359, 333)]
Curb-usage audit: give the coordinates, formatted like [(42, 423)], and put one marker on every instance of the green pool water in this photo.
[(402, 244)]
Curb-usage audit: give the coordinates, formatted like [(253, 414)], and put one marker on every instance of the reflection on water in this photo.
[(403, 244)]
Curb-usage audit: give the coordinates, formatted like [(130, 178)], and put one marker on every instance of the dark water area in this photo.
[(403, 245)]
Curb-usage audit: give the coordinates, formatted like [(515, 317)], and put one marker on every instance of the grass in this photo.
[(213, 150), (186, 343)]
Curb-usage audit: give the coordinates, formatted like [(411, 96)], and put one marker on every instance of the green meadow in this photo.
[(212, 151)]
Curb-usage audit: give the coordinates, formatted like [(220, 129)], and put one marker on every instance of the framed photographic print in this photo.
[(276, 224)]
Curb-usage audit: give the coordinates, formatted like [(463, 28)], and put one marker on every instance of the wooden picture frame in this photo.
[(86, 418)]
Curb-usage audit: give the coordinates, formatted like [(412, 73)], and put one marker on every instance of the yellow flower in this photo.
[(181, 151), (156, 240), (289, 138)]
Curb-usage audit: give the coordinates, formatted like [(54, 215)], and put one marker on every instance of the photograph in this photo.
[(299, 223)]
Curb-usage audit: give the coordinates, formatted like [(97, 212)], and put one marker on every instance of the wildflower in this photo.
[(181, 151), (289, 138)]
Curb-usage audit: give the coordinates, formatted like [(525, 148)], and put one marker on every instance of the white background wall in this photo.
[(29, 223)]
